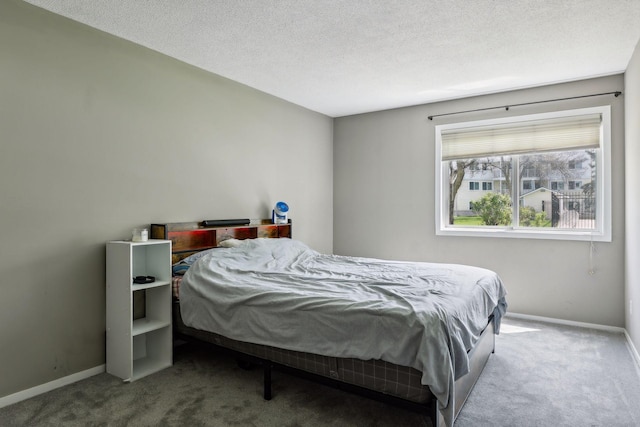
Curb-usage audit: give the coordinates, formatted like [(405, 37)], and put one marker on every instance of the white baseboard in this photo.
[(51, 385), (565, 322), (632, 348)]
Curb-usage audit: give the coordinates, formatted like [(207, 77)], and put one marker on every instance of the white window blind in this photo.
[(535, 136)]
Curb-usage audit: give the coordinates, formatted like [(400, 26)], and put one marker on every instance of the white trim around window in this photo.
[(601, 232)]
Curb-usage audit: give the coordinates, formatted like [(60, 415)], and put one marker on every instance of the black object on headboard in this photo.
[(223, 222)]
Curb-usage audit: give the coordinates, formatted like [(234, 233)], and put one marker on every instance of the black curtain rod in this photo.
[(506, 107)]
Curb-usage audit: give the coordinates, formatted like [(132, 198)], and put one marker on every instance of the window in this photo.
[(573, 164), (557, 185), (529, 159)]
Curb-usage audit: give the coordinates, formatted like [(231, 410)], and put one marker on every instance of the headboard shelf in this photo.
[(190, 237)]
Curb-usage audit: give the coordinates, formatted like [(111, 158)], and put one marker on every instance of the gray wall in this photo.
[(632, 171), (384, 206), (98, 136)]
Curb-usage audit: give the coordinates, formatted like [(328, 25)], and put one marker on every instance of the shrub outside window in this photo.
[(543, 176)]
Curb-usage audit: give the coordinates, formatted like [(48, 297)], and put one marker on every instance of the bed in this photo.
[(412, 334)]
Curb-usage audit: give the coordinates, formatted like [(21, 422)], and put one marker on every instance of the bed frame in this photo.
[(368, 378)]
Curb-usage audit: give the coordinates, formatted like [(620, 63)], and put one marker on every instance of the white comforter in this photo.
[(281, 293)]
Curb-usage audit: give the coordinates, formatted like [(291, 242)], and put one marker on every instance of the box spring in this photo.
[(399, 382)]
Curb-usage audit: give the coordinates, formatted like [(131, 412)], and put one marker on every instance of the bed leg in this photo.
[(434, 415), (267, 380)]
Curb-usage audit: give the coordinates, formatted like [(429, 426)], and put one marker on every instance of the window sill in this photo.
[(519, 233)]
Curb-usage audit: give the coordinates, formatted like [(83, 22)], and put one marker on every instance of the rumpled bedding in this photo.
[(281, 293)]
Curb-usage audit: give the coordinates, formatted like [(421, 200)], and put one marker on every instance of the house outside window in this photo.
[(528, 160), (573, 164)]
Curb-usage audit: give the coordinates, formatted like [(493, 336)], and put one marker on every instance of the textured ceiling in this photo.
[(342, 57)]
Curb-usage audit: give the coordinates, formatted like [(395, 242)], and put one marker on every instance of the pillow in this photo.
[(180, 268), (230, 243)]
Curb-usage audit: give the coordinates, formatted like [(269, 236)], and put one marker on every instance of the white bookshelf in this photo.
[(139, 336)]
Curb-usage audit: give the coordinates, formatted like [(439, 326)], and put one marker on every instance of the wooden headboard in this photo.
[(190, 237)]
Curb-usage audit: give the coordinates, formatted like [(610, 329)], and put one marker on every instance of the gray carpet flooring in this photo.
[(541, 375)]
